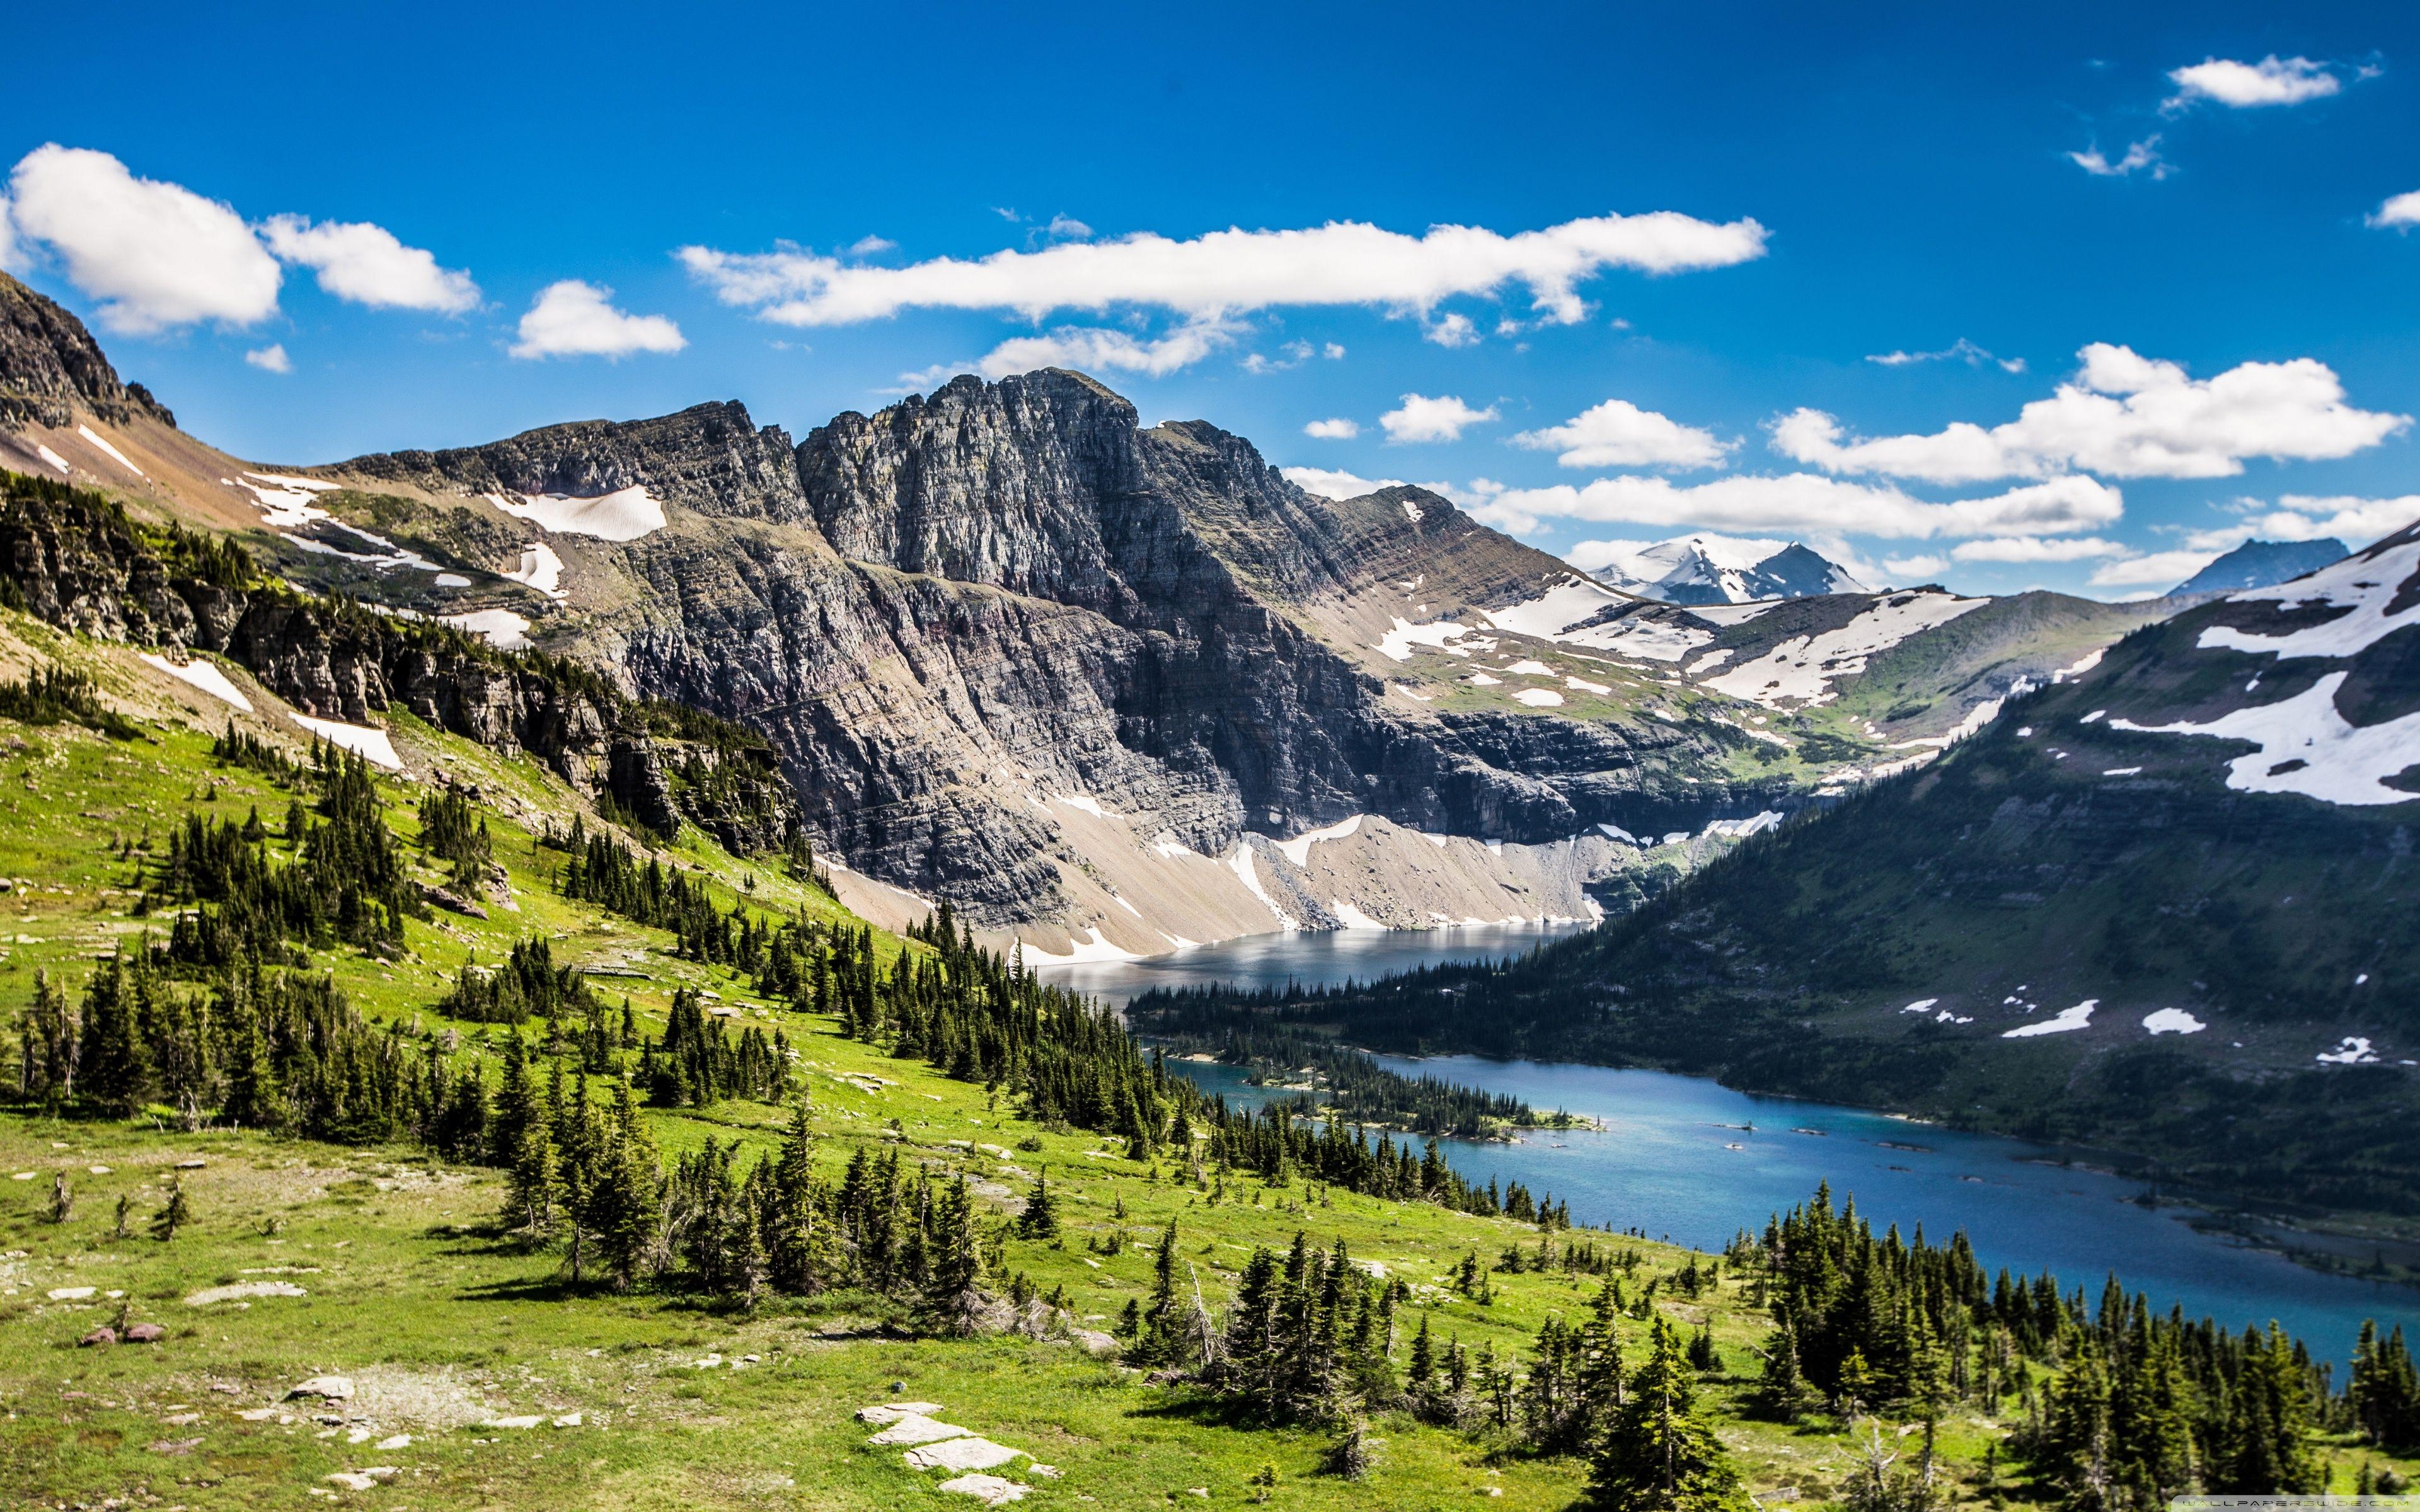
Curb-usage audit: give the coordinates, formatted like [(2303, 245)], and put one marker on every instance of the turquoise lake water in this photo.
[(1687, 1157)]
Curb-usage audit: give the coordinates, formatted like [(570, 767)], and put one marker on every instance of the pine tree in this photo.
[(1658, 1456), (954, 1290), (173, 1216), (1164, 1338), (529, 1203), (1040, 1219)]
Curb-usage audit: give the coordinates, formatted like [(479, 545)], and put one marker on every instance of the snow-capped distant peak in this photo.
[(1705, 568)]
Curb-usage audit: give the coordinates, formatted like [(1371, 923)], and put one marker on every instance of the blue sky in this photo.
[(413, 214)]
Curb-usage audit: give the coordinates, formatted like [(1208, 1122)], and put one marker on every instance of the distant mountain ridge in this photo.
[(1705, 568), (2261, 565)]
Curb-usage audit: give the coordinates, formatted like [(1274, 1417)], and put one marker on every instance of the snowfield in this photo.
[(1800, 669), (499, 628), (2069, 1020), (204, 675), (2367, 586), (367, 741), (623, 514), (2307, 747)]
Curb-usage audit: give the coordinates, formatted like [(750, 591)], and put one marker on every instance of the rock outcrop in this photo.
[(49, 364)]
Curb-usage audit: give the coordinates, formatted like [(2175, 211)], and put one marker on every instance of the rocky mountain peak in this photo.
[(711, 459), (49, 364)]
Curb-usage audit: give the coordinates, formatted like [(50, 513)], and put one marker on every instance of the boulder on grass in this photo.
[(145, 1334), (103, 1335)]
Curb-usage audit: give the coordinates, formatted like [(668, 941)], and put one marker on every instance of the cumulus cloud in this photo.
[(2036, 548), (1619, 434), (2140, 157), (1423, 419), (2125, 416), (1805, 503), (2156, 569), (365, 264), (868, 246), (1329, 482), (2402, 212), (2356, 522), (2273, 80), (156, 255), (270, 358), (1589, 555), (1099, 348), (1234, 272), (1068, 228), (572, 319), (1453, 330), (1913, 569), (1961, 351), (1337, 430)]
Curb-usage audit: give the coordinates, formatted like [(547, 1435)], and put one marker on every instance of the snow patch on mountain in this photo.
[(2307, 747), (2369, 587), (1800, 669), (1706, 568), (2067, 1021), (623, 514)]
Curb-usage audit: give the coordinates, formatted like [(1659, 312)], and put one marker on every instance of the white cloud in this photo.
[(156, 255), (1913, 569), (1234, 272), (1453, 330), (1423, 419), (1589, 555), (2140, 157), (1804, 503), (572, 319), (1338, 429), (2123, 415), (365, 264), (1332, 351), (11, 256), (2159, 569), (2402, 212), (1619, 434), (1068, 228), (2273, 80), (1961, 351), (1097, 348), (2034, 548), (1329, 483), (869, 246), (2356, 522), (270, 358)]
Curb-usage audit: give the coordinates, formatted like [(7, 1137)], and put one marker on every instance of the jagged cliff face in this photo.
[(49, 364), (1014, 650), (709, 458), (959, 616)]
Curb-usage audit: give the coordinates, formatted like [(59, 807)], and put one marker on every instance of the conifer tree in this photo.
[(1657, 1454), (175, 1214), (1040, 1219)]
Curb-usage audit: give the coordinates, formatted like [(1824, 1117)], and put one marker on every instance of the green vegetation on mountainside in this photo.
[(579, 1196)]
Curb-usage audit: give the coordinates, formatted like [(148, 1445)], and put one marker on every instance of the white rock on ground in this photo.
[(244, 1289), (527, 1421), (963, 1453), (918, 1428), (893, 1411), (334, 1388), (991, 1489)]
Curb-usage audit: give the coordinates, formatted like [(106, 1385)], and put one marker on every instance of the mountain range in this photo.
[(2260, 564), (2161, 905), (1110, 689), (1106, 688), (1704, 568)]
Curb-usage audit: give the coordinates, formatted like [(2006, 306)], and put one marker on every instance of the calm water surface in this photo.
[(1688, 1158), (1324, 958)]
